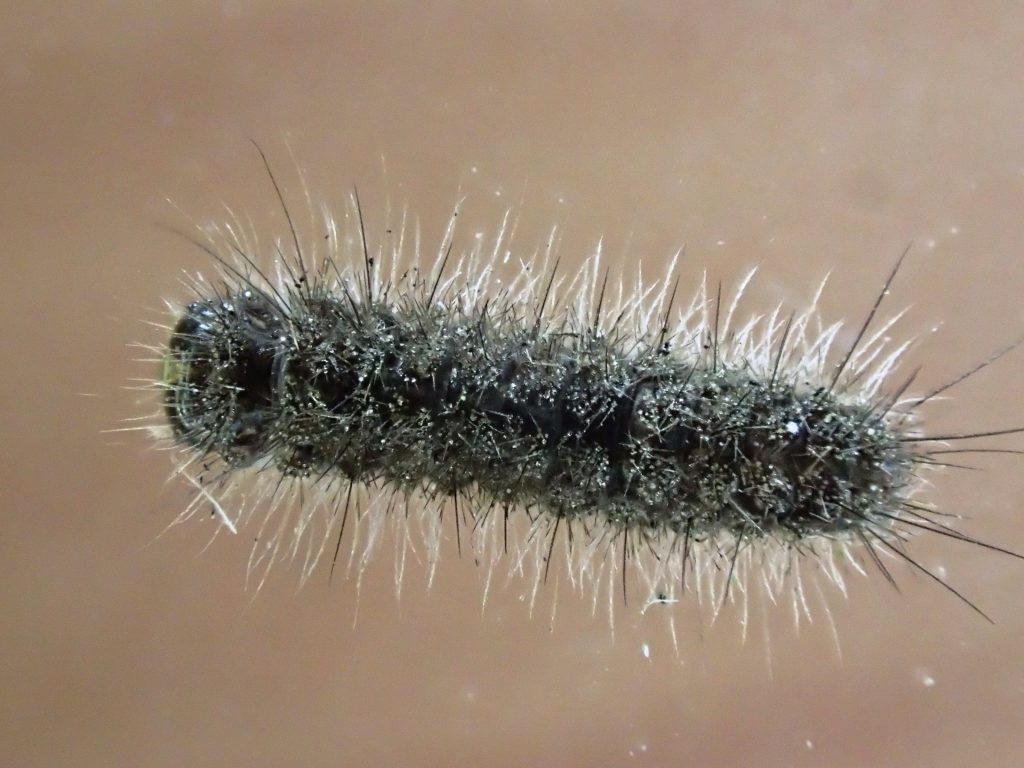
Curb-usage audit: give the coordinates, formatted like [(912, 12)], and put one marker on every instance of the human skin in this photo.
[(801, 139)]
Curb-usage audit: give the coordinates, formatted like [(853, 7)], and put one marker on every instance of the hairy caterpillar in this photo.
[(348, 390)]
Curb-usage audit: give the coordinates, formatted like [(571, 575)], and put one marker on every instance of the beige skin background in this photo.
[(801, 137)]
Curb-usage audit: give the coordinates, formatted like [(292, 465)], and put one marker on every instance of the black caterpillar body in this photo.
[(494, 407)]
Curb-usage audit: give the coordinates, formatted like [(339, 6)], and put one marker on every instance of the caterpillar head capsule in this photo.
[(218, 373)]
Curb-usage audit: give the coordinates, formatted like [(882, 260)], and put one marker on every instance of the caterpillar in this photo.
[(326, 395)]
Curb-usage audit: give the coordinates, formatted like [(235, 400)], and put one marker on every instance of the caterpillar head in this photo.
[(218, 373)]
